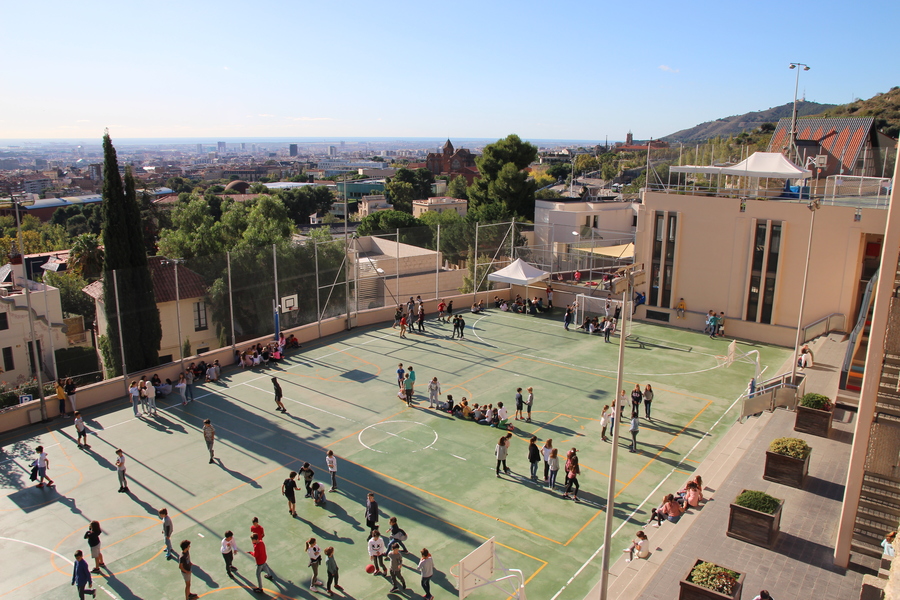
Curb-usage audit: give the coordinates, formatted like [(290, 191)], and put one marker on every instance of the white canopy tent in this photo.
[(759, 165), (518, 273)]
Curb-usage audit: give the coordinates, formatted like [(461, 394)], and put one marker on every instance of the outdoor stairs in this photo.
[(858, 364), (878, 513)]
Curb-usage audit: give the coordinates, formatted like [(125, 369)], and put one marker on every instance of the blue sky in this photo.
[(563, 70)]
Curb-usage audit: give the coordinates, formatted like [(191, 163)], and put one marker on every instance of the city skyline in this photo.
[(576, 71)]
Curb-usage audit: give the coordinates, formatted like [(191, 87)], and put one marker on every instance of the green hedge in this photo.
[(816, 401), (758, 501), (10, 397), (78, 362), (713, 577), (793, 447)]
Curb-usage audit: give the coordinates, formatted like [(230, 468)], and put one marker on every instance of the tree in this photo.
[(305, 201), (412, 230), (73, 300), (132, 298), (457, 188), (502, 179), (559, 170), (86, 256), (401, 195), (421, 180), (267, 223)]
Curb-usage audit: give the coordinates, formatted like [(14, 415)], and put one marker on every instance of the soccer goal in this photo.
[(603, 306), (482, 567)]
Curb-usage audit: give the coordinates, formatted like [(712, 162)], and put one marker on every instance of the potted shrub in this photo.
[(709, 581), (814, 415), (787, 462), (755, 517)]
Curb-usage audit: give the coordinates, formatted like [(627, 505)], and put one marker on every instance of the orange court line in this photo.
[(692, 460), (30, 582), (679, 471)]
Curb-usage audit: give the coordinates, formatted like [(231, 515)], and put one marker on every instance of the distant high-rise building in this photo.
[(243, 146), (293, 149), (342, 146), (221, 148), (199, 148), (95, 172), (253, 148), (332, 151)]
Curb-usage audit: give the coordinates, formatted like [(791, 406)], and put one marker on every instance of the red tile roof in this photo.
[(190, 284), (842, 138)]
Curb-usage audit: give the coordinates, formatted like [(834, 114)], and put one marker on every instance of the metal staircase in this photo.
[(855, 361)]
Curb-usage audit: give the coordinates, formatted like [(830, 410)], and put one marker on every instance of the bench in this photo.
[(644, 341)]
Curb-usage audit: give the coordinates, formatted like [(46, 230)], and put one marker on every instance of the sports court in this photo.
[(434, 472)]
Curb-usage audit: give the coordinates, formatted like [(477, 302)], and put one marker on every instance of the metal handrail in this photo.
[(830, 322), (860, 325)]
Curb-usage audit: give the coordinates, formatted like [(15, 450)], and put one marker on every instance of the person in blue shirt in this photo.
[(81, 576)]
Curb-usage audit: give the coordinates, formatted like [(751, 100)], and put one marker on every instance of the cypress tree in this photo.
[(124, 253)]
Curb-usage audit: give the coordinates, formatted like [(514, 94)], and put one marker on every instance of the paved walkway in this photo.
[(799, 566)]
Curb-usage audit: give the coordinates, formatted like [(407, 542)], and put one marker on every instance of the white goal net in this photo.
[(602, 306)]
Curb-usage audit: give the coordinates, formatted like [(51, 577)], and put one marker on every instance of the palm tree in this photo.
[(86, 256)]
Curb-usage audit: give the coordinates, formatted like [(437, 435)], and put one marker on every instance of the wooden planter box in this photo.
[(786, 470), (753, 526), (692, 591), (813, 422)]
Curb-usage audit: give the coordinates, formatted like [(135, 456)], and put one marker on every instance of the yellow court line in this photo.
[(642, 469)]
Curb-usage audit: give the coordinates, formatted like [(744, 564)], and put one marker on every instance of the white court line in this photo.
[(304, 404), (363, 444), (476, 332), (38, 547), (647, 499)]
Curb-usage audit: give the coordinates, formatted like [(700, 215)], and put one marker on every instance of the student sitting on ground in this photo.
[(448, 405), (465, 409), (497, 301), (318, 494), (476, 308), (691, 497), (293, 342), (504, 306), (477, 413), (502, 415), (639, 544), (490, 417)]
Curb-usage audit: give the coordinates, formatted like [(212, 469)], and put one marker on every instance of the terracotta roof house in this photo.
[(844, 146), (196, 324)]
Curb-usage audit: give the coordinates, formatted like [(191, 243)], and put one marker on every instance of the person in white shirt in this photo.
[(331, 463), (81, 430), (229, 549), (640, 544), (315, 559), (377, 552), (150, 392), (434, 390)]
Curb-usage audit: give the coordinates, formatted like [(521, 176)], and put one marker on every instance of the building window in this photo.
[(200, 322), (8, 363), (763, 271), (658, 235), (4, 321)]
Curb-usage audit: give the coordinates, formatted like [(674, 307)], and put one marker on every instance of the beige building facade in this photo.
[(440, 204), (747, 258)]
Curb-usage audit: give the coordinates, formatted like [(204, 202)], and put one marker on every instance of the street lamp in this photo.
[(792, 148), (813, 207), (176, 261)]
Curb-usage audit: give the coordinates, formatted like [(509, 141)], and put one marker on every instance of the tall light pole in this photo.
[(792, 148), (813, 207)]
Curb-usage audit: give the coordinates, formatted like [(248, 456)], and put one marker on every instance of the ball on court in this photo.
[(370, 568)]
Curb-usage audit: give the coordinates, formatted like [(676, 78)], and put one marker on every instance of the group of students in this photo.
[(673, 506), (522, 305), (65, 392), (550, 457), (715, 324)]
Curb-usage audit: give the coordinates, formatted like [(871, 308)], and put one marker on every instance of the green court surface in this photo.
[(434, 472)]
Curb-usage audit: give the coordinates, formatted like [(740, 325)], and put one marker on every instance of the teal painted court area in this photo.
[(433, 472)]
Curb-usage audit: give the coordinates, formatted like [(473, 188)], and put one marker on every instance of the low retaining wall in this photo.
[(114, 389)]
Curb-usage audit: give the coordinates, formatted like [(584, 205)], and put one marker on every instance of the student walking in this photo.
[(262, 565), (553, 463), (331, 569), (278, 394), (185, 566), (81, 430), (376, 553), (434, 390), (288, 490), (331, 463), (426, 568), (256, 528), (229, 549), (81, 576), (403, 326), (371, 512), (209, 434), (420, 320), (397, 315), (529, 402), (167, 530), (315, 559), (648, 399), (634, 429), (567, 319), (120, 471), (396, 569), (92, 535), (534, 457), (501, 451), (441, 309)]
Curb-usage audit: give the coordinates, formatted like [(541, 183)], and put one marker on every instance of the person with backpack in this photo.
[(397, 535)]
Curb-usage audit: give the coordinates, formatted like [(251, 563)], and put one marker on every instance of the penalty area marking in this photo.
[(375, 427)]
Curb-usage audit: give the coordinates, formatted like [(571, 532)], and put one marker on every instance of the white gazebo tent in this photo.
[(518, 273), (759, 165)]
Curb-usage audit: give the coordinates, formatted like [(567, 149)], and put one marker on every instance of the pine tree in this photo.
[(124, 253)]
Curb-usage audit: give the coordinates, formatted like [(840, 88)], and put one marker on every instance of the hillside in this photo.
[(884, 107), (738, 124)]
